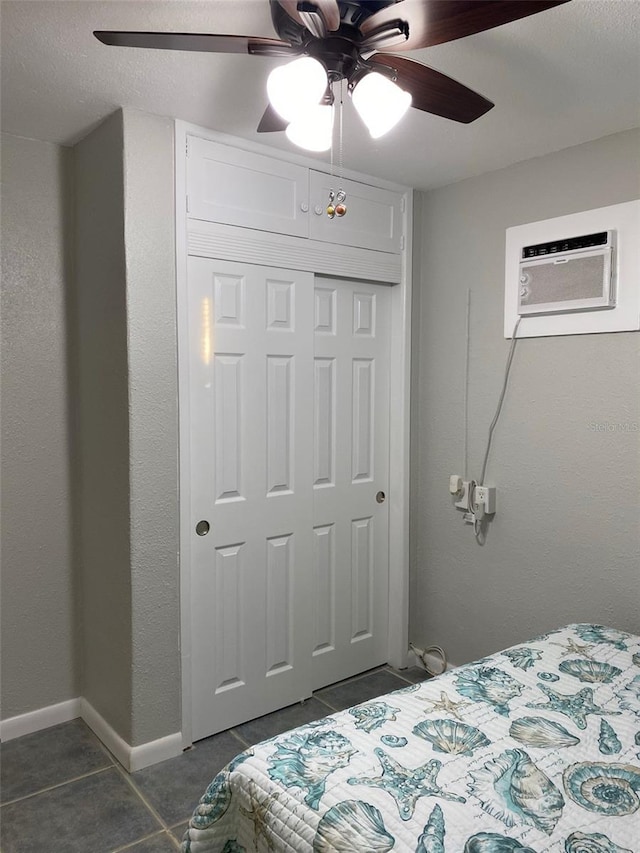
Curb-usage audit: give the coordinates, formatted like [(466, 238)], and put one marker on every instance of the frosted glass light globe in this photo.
[(296, 86), (312, 129), (380, 103)]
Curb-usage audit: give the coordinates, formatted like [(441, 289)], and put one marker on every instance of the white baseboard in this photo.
[(155, 751), (132, 758), (43, 718), (116, 745)]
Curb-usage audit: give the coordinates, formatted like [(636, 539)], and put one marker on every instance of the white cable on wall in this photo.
[(512, 349), (422, 654), (465, 452), (479, 527)]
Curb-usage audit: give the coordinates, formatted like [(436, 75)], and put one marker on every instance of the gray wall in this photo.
[(38, 637), (102, 446), (153, 423), (89, 427), (565, 542), (127, 426)]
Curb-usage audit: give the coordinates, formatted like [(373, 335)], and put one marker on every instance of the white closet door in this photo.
[(251, 446), (350, 469)]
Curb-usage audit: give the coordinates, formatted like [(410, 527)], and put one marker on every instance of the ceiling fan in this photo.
[(354, 40)]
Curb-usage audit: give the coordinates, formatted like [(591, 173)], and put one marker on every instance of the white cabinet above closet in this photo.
[(225, 184), (235, 187), (373, 219)]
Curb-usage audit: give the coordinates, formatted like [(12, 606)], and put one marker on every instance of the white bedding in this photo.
[(535, 749)]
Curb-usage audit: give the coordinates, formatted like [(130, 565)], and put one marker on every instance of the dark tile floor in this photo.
[(61, 791)]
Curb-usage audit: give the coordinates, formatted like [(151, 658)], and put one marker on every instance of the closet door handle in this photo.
[(203, 527), (381, 497)]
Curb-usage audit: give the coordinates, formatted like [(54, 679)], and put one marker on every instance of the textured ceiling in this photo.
[(559, 78)]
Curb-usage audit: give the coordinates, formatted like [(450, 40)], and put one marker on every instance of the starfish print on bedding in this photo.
[(406, 786), (446, 704), (258, 814), (576, 706), (573, 648)]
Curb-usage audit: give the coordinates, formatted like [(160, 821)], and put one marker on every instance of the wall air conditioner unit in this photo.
[(571, 274), (577, 274)]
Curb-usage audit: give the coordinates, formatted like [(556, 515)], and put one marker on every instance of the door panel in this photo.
[(351, 464), (251, 389)]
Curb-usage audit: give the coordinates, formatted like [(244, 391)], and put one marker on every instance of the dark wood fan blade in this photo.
[(438, 21), (204, 42), (434, 92), (271, 121), (329, 10)]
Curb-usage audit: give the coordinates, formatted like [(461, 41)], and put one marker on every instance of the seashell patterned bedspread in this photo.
[(535, 749)]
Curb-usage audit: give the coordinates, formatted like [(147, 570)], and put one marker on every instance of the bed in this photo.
[(534, 749)]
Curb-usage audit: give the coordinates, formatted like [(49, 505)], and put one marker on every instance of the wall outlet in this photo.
[(485, 496)]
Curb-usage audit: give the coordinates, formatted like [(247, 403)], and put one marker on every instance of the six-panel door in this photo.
[(288, 450), (350, 477)]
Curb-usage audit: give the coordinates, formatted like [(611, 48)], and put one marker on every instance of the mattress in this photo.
[(534, 749)]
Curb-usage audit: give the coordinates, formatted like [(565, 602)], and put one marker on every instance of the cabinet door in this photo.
[(237, 187), (373, 219)]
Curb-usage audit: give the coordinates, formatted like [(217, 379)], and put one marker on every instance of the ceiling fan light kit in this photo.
[(354, 40), (380, 103), (312, 129), (297, 86), (296, 89)]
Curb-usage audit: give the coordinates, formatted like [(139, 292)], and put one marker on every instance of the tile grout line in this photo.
[(59, 785), (398, 673), (175, 826), (239, 738), (128, 779), (175, 841), (361, 676), (139, 841), (327, 704), (127, 776), (105, 749), (356, 677)]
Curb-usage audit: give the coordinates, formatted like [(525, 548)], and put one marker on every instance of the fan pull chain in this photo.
[(333, 108), (337, 206), (341, 196)]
